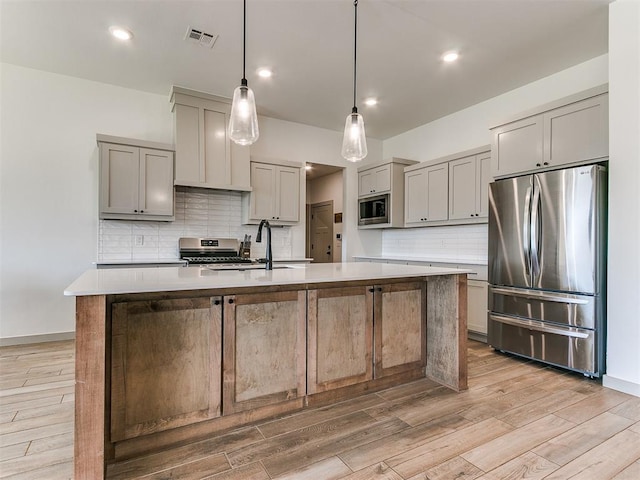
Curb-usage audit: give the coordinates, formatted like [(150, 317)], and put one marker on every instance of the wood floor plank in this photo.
[(528, 465), (44, 411), (632, 472), (543, 406), (330, 468), (13, 451), (40, 393), (603, 461), (322, 414), (430, 454), (35, 433), (70, 377), (14, 406), (457, 468), (61, 416), (318, 449), (196, 470), (369, 454), (158, 462), (582, 438), (49, 443), (288, 441), (419, 387), (253, 471), (495, 452), (380, 471), (593, 405), (36, 461), (59, 471), (629, 409)]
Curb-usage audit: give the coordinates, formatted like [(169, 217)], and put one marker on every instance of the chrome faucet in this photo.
[(269, 263)]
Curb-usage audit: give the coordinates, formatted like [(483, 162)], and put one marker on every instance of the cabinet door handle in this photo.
[(372, 290), (379, 289), (216, 302)]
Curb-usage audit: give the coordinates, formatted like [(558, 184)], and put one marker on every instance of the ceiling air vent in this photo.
[(201, 38)]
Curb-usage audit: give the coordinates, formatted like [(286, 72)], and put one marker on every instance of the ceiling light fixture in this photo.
[(121, 33), (243, 122), (265, 73), (371, 101), (354, 142), (450, 57)]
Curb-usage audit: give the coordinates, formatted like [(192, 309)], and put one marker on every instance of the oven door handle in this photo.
[(538, 326)]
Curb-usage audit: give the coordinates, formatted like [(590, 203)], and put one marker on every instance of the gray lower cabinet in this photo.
[(136, 179)]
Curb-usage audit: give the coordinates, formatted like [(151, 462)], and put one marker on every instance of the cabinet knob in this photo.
[(135, 211), (141, 211), (372, 290), (231, 300), (538, 165), (216, 302), (546, 163)]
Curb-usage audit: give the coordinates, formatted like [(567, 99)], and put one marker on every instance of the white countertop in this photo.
[(413, 258), (139, 280)]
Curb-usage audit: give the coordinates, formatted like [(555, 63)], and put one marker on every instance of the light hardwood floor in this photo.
[(518, 419)]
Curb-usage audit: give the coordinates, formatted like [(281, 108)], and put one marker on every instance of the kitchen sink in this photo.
[(243, 268)]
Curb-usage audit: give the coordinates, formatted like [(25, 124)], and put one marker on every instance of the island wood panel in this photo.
[(264, 350), (165, 364), (90, 429), (340, 335), (447, 330), (400, 326)]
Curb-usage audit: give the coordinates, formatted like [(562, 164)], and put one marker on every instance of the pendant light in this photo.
[(243, 123), (354, 143)]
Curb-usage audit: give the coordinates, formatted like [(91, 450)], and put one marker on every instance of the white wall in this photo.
[(49, 186), (49, 183), (623, 333)]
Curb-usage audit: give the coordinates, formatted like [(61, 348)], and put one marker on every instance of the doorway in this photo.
[(321, 232)]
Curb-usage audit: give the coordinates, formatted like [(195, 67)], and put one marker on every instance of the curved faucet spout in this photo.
[(265, 223)]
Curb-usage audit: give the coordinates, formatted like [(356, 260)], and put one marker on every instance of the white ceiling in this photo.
[(309, 43)]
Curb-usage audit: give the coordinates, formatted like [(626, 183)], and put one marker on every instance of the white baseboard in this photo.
[(624, 386), (27, 339)]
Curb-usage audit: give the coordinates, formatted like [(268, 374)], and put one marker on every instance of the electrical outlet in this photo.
[(139, 240)]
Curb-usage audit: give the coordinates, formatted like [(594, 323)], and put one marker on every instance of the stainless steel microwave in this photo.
[(373, 210)]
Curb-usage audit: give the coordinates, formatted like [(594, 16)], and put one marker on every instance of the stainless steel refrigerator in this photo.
[(547, 267)]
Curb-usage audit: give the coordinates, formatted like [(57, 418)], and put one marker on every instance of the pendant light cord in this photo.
[(244, 40), (355, 50)]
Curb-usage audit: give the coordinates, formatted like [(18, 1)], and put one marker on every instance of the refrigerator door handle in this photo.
[(526, 231), (535, 232), (538, 326), (558, 297)]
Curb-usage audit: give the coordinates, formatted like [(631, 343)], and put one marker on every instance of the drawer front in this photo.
[(567, 347), (568, 309)]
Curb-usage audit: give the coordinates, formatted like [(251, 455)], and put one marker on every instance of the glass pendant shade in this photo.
[(243, 123), (354, 143)]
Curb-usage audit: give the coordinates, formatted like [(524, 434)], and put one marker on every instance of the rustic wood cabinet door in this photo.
[(400, 325), (165, 364), (340, 337), (264, 351)]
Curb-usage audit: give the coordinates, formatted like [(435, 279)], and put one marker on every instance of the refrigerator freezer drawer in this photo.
[(563, 308), (572, 348)]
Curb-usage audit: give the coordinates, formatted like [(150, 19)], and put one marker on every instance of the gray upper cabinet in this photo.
[(469, 187), (275, 194), (205, 156), (374, 180), (571, 131), (450, 190), (426, 194), (136, 179)]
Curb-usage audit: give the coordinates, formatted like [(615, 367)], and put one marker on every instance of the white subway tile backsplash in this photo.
[(457, 243), (198, 213)]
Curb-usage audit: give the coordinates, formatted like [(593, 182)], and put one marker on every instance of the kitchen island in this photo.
[(172, 355)]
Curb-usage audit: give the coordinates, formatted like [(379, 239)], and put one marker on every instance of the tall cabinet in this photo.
[(205, 155)]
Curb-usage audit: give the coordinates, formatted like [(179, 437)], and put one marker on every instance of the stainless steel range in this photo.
[(205, 251)]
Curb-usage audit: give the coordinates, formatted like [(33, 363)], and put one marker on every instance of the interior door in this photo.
[(509, 231), (321, 232)]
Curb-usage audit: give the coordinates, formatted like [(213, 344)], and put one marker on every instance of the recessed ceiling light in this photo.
[(265, 73), (371, 101), (121, 33), (450, 57)]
